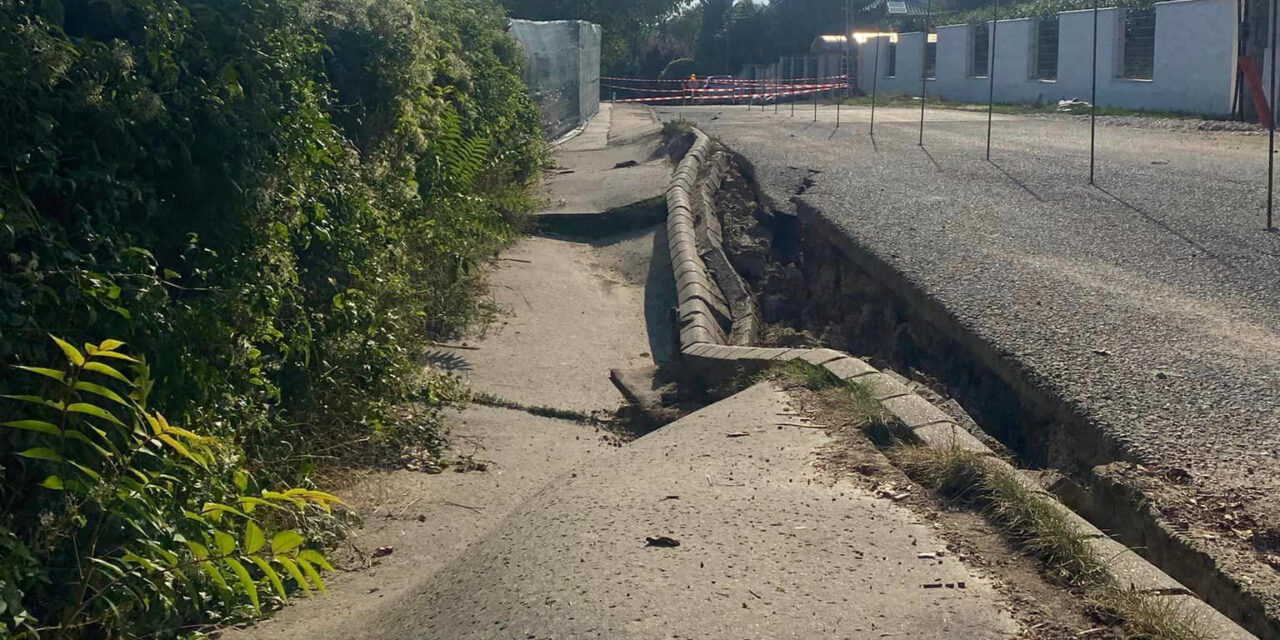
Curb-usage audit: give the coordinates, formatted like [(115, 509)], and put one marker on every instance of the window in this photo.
[(931, 58), (1139, 43), (1046, 49), (891, 61), (980, 47)]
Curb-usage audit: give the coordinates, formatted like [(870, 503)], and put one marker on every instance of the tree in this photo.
[(712, 52)]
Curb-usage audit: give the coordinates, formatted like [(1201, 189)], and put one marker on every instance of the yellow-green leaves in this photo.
[(98, 440), (286, 541), (42, 453), (73, 355), (246, 581), (38, 426), (254, 537), (107, 370), (226, 543)]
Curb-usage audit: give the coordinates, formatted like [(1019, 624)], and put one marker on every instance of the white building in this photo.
[(1178, 56)]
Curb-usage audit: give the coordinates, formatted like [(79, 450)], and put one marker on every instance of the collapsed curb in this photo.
[(715, 339)]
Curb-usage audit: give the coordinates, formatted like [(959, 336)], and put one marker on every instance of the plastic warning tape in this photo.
[(719, 80), (742, 96), (733, 90)]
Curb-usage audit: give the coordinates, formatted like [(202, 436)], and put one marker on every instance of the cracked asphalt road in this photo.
[(1149, 302)]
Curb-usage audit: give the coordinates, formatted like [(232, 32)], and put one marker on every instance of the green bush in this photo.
[(279, 201)]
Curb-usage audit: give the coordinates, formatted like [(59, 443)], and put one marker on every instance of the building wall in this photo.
[(563, 70), (1195, 58), (588, 70)]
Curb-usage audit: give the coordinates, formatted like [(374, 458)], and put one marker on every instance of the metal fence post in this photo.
[(792, 86), (924, 73), (1271, 126), (1093, 99), (991, 71), (813, 85), (875, 76)]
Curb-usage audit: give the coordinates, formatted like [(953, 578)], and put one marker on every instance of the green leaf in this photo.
[(315, 557), (225, 541), (180, 448), (36, 400), (254, 538), (39, 426), (286, 541), (246, 581), (42, 453), (85, 470), (110, 567), (106, 370), (221, 508), (73, 355), (100, 390), (215, 574), (312, 574), (60, 376), (272, 576), (116, 354), (54, 483), (110, 345), (198, 550), (241, 479), (95, 411), (292, 567)]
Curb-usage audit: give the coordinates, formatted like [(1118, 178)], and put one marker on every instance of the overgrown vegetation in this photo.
[(277, 201)]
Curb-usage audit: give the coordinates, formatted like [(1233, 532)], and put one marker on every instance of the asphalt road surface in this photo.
[(1149, 300)]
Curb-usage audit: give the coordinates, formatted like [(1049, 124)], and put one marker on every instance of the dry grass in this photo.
[(1036, 526)]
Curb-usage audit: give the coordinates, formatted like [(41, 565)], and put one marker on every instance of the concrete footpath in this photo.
[(767, 549)]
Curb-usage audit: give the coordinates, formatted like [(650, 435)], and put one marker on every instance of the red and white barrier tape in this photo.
[(808, 89), (719, 80)]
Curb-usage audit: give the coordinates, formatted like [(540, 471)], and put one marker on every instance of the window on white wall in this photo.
[(891, 61), (1046, 49), (979, 49), (1139, 44), (931, 57)]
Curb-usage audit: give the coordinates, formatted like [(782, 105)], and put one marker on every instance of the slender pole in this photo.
[(777, 87), (793, 85), (1271, 126), (924, 74), (1093, 99), (875, 75), (991, 71), (814, 86)]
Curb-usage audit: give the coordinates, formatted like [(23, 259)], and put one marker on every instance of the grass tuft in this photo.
[(1032, 523)]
